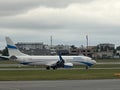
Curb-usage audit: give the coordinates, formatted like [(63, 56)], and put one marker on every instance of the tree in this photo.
[(5, 52)]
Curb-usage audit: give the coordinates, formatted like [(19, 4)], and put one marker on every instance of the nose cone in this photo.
[(94, 62)]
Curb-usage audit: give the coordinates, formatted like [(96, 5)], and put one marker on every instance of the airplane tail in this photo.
[(12, 49)]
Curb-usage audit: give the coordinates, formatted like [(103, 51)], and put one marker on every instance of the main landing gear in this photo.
[(53, 67), (48, 68), (87, 67)]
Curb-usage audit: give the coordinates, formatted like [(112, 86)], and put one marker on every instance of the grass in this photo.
[(107, 60), (106, 66), (8, 62), (100, 66), (68, 74)]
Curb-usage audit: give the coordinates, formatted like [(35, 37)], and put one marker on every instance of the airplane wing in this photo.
[(59, 64), (55, 63)]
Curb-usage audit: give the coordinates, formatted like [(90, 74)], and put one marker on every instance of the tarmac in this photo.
[(113, 84)]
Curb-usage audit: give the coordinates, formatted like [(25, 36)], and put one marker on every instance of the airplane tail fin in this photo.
[(12, 49), (61, 59)]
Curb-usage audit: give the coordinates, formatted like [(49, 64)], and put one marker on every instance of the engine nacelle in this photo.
[(68, 65), (13, 58)]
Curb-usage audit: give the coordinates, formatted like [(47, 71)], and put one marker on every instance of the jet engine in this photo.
[(68, 65), (13, 58)]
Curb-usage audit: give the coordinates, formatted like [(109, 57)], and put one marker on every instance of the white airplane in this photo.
[(49, 61)]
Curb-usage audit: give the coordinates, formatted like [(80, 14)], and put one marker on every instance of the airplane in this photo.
[(53, 62)]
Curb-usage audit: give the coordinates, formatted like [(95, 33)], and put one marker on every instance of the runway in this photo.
[(61, 85)]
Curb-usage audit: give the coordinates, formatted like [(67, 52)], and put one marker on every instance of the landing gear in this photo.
[(54, 67), (48, 68), (87, 67)]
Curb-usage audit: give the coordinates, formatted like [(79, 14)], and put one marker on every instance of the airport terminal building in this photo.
[(104, 50), (33, 48)]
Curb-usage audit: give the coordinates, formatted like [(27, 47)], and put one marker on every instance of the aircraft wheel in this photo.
[(54, 68), (48, 68), (87, 67)]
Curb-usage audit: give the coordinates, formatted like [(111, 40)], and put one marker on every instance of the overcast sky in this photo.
[(68, 21)]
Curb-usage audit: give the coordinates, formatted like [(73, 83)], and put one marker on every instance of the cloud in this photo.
[(76, 15), (14, 7), (69, 21)]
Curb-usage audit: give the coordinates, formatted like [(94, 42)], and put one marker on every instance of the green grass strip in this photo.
[(15, 75)]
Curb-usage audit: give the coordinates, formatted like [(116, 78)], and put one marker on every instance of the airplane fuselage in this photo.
[(39, 60)]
